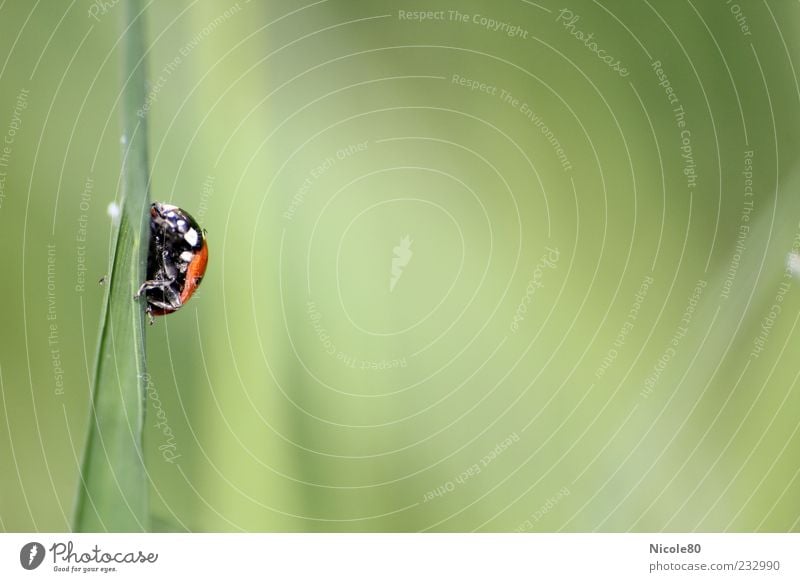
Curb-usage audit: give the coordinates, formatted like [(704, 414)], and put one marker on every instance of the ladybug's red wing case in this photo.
[(194, 273)]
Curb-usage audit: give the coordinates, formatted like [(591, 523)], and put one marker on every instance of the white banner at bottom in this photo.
[(390, 557)]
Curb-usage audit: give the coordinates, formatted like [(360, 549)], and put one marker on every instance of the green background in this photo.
[(298, 389)]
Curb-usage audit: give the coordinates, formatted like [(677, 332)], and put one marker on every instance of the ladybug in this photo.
[(176, 259)]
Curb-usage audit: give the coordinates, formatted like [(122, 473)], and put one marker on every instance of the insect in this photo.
[(176, 259)]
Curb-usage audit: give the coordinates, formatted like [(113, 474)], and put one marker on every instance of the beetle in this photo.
[(176, 260)]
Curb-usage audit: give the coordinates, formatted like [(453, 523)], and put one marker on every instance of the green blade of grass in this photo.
[(112, 494)]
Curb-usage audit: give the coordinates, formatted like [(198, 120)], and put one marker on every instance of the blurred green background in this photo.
[(592, 324)]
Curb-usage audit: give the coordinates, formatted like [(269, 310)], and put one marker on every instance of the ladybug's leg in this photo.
[(167, 298), (147, 285), (172, 297)]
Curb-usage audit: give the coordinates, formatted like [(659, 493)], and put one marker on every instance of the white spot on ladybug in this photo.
[(191, 237), (187, 256)]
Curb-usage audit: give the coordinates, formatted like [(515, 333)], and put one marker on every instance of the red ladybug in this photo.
[(176, 260)]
